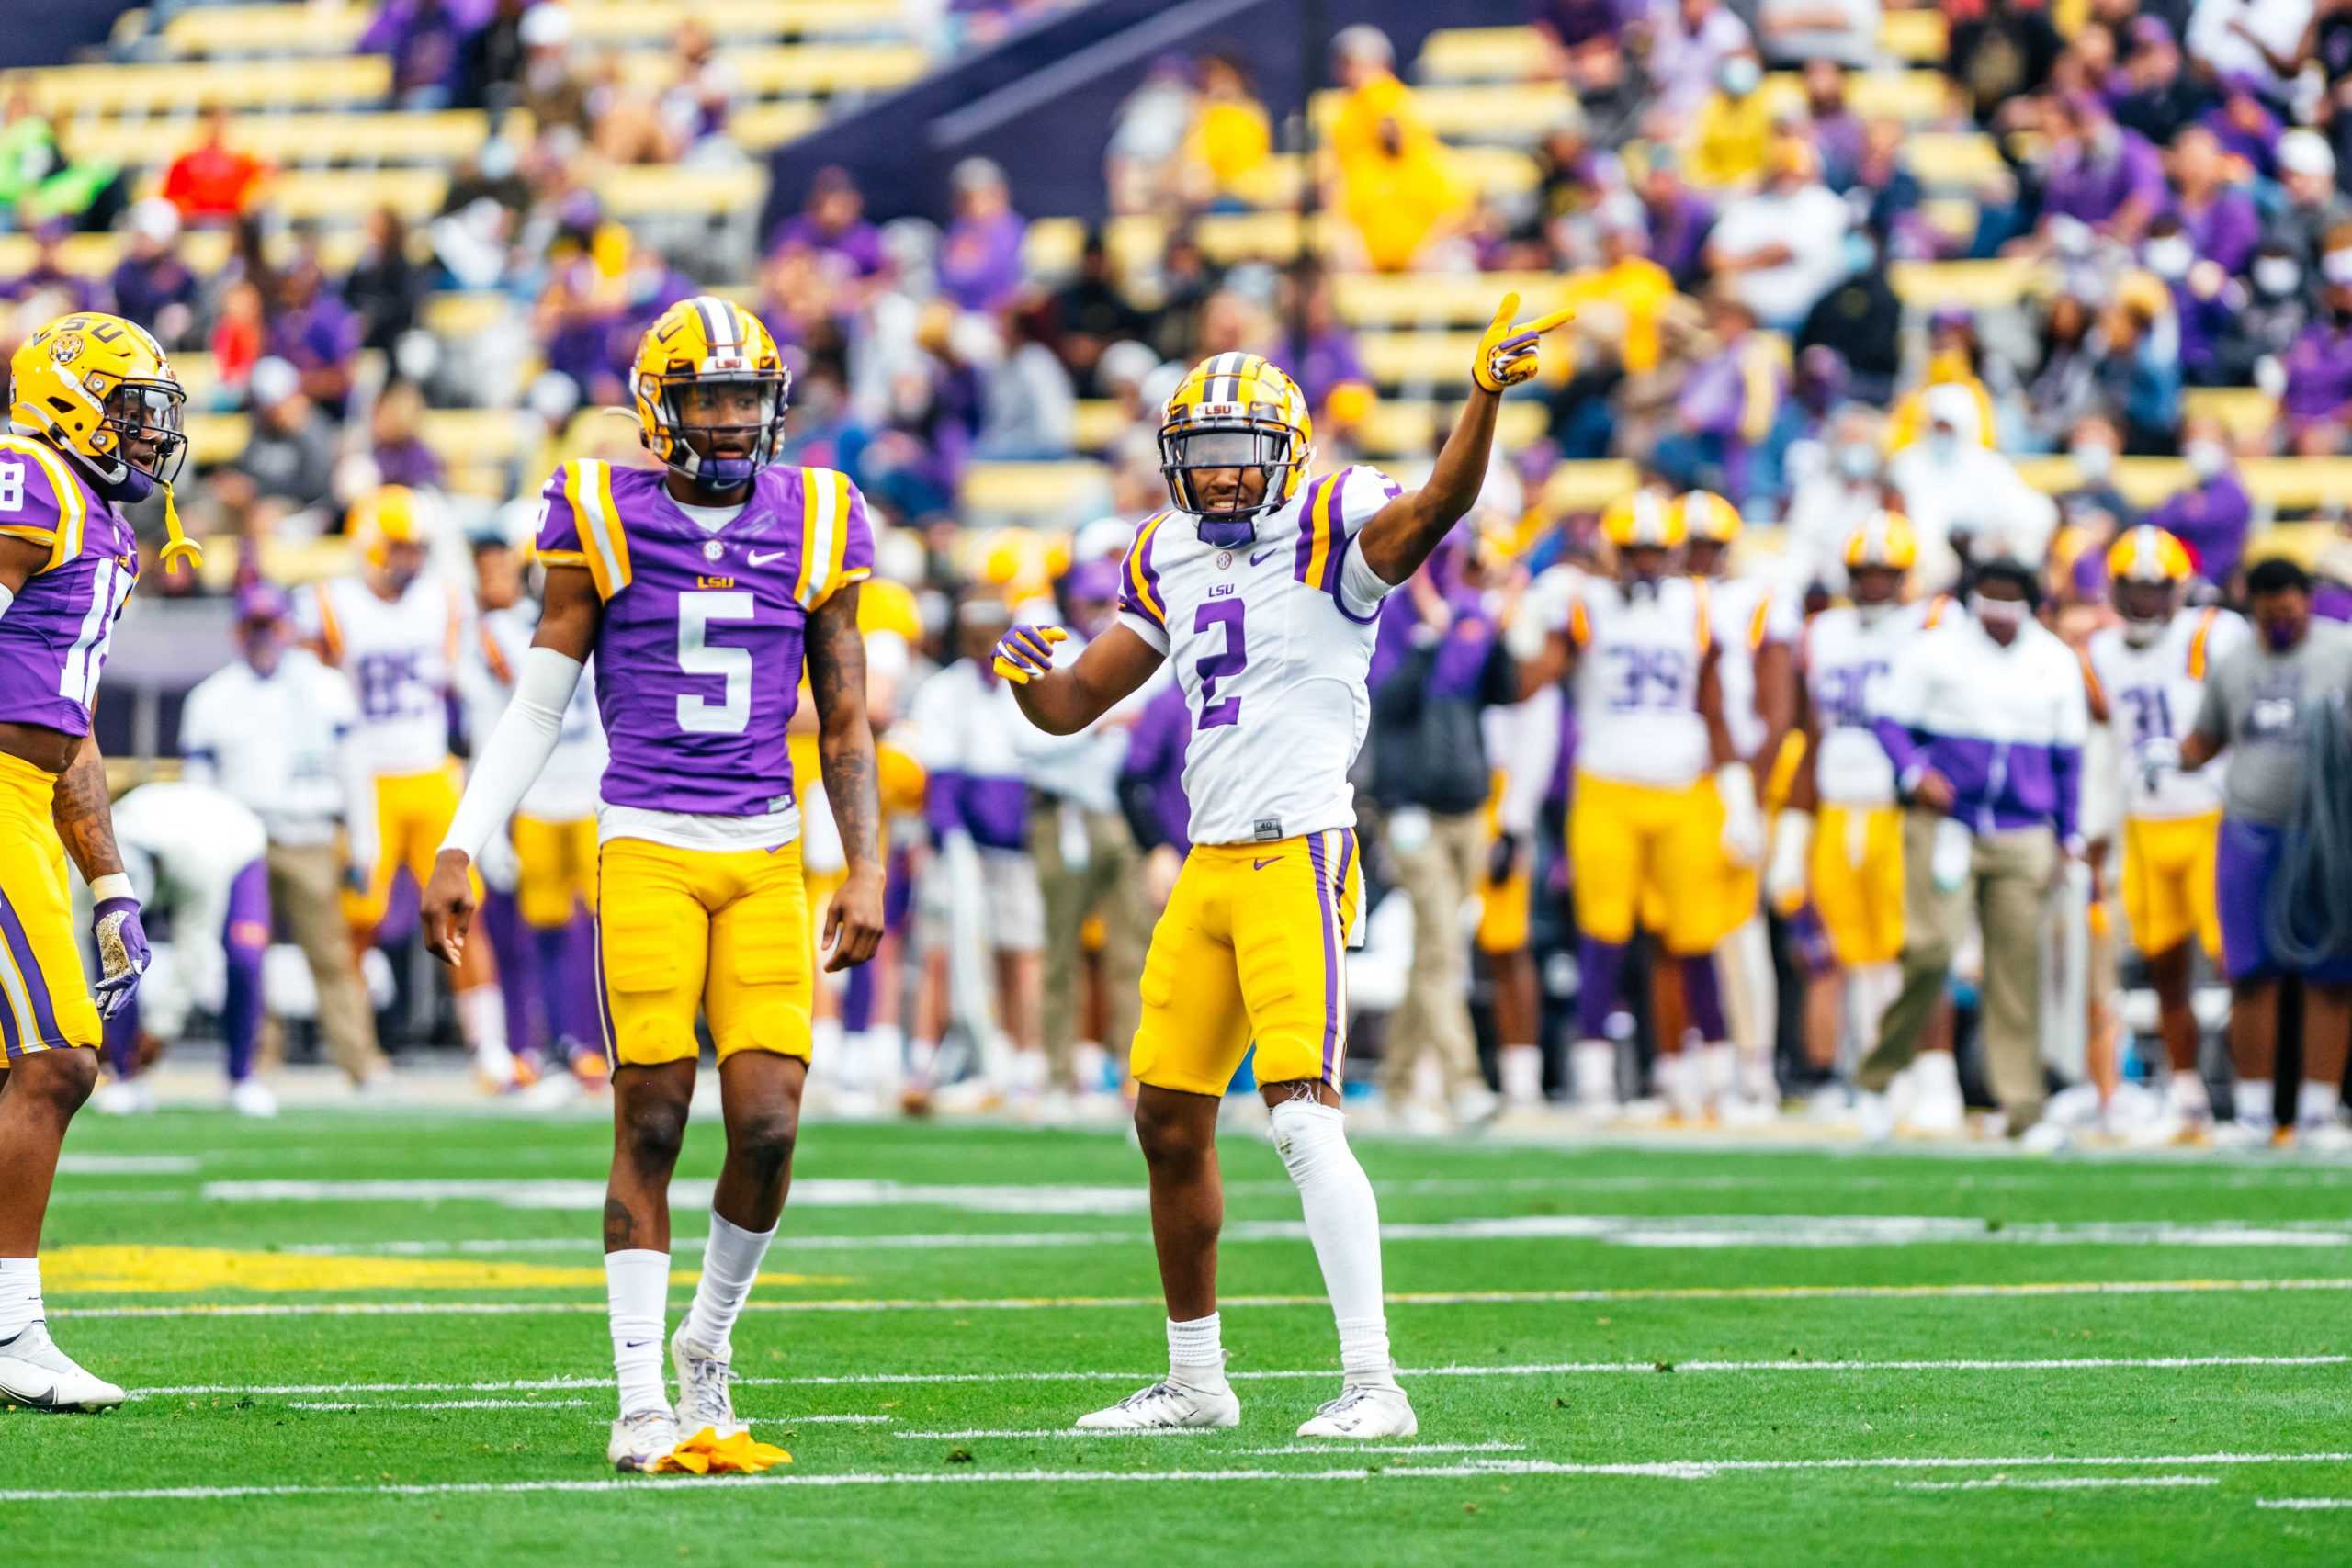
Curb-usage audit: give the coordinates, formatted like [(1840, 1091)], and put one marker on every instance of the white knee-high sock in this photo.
[(21, 1306), (1343, 1221), (730, 1261), (481, 1019), (637, 1291)]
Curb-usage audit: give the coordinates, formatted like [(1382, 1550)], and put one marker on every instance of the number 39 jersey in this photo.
[(1638, 653), (2152, 695), (698, 663), (53, 639), (1271, 643)]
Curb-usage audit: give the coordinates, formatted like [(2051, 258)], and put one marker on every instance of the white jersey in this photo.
[(275, 742), (403, 656), (1272, 644), (1846, 666), (1748, 612), (1637, 680), (2153, 695), (566, 789)]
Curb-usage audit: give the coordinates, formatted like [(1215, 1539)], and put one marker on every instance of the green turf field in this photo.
[(380, 1337)]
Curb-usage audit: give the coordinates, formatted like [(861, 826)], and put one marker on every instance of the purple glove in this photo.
[(122, 952)]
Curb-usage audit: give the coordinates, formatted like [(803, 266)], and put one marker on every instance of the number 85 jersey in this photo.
[(698, 663), (1270, 642)]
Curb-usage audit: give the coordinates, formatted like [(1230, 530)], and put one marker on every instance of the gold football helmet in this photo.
[(709, 343), (1234, 410), (98, 389)]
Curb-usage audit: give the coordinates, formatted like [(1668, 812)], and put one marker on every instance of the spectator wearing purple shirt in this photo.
[(151, 285), (834, 225), (2218, 219), (2203, 299), (1835, 128), (2245, 127), (427, 40), (1689, 41), (1678, 220), (2318, 397), (395, 441), (1572, 24), (1326, 359), (2106, 177), (2213, 515), (46, 275), (313, 329), (1726, 406), (979, 256), (1151, 779)]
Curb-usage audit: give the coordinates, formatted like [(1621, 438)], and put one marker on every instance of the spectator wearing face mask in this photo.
[(2317, 398), (1781, 249), (1733, 134), (2313, 206), (2274, 306), (1861, 321), (2093, 497), (2216, 217), (2212, 515), (1964, 500), (1691, 42), (1837, 494), (1985, 720), (2202, 298)]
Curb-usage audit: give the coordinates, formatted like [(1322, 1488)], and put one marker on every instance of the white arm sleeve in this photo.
[(510, 760), (7, 597)]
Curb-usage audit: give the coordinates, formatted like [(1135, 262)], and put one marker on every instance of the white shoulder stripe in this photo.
[(593, 520), (826, 496)]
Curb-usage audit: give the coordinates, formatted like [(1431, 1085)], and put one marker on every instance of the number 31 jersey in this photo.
[(698, 663), (2153, 694), (1270, 642)]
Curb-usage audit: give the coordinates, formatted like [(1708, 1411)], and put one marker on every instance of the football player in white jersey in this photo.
[(1663, 811), (1263, 589), (1838, 845), (2152, 672), (551, 840), (399, 632), (1757, 627)]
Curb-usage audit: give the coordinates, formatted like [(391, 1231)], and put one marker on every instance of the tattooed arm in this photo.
[(83, 818), (836, 655)]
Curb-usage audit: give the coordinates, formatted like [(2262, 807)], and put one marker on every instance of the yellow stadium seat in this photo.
[(1100, 421), (346, 195), (293, 138), (1488, 170), (1587, 486), (808, 69), (1953, 216), (1368, 298), (1409, 357), (1945, 158), (1053, 246), (84, 91), (264, 29), (1400, 428), (1034, 492), (1519, 113), (761, 127), (643, 22), (639, 190), (1978, 285), (2247, 413), (214, 439), (1911, 96), (478, 435), (1480, 54), (464, 314), (1917, 36)]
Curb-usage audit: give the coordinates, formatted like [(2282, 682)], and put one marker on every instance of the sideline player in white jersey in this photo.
[(1664, 812), (2152, 670), (1838, 846), (399, 632), (1264, 590), (1757, 627), (552, 834)]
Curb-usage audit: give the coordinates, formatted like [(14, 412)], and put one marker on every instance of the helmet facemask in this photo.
[(144, 433), (750, 406), (2146, 608), (1231, 446)]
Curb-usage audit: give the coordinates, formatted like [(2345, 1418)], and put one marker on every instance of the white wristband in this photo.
[(113, 884)]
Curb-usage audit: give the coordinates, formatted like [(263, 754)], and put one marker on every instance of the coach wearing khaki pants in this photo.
[(268, 729), (1985, 719)]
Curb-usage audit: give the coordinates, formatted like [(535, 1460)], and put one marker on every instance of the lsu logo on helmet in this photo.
[(1235, 412), (98, 389), (707, 366)]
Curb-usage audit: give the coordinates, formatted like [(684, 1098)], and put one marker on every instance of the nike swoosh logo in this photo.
[(756, 559), (635, 1344), (1262, 864), (44, 1400), (1263, 556)]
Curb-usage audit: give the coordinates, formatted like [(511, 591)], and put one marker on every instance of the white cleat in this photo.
[(251, 1096), (1474, 1105), (704, 1399), (2330, 1137), (1166, 1407), (1875, 1113), (642, 1440), (1364, 1410), (35, 1373)]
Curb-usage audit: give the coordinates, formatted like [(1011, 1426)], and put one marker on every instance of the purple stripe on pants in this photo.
[(35, 984), (1600, 967), (510, 948), (1702, 998), (1324, 903), (603, 1002)]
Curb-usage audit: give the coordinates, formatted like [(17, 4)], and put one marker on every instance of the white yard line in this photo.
[(1538, 1369), (2056, 1483), (1670, 1470), (1341, 1449), (128, 1165), (1129, 1304), (2310, 1504), (439, 1405)]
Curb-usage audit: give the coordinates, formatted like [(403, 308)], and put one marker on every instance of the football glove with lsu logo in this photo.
[(1506, 353), (122, 943), (1026, 652)]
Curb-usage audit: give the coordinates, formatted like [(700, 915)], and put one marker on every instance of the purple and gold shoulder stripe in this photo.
[(1142, 592), (585, 494), (57, 519)]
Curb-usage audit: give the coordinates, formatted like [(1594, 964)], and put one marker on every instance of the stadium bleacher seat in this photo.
[(1480, 54), (1032, 491), (286, 140), (761, 127), (2249, 414), (1519, 113), (83, 91), (1488, 170), (784, 71), (260, 30), (1368, 298)]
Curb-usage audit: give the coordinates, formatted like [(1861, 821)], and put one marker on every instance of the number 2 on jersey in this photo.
[(1232, 660)]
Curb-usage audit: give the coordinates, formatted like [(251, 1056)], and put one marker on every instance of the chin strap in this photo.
[(175, 542)]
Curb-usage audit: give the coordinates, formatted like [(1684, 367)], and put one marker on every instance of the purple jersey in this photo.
[(53, 639), (698, 664)]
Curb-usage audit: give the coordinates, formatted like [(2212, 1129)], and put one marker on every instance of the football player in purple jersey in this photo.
[(94, 423), (700, 587)]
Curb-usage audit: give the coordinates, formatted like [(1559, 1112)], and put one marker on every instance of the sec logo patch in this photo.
[(1225, 560), (712, 549)]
